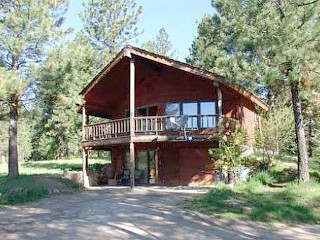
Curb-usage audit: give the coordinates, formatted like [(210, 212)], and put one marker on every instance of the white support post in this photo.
[(84, 122), (220, 104), (85, 157), (84, 151), (132, 123)]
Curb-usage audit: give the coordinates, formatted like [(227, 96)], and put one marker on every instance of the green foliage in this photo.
[(20, 190), (230, 150), (161, 45), (11, 85), (296, 203), (276, 134), (263, 177), (316, 141), (110, 24), (268, 46), (269, 196), (60, 80), (252, 42), (27, 188), (25, 133), (12, 90), (54, 166), (26, 27)]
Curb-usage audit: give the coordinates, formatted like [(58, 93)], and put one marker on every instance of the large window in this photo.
[(173, 109), (208, 112), (200, 114), (147, 111), (143, 111), (191, 109)]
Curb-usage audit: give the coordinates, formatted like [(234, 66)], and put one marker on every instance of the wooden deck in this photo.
[(155, 129)]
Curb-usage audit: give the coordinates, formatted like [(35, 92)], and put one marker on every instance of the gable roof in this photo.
[(128, 51)]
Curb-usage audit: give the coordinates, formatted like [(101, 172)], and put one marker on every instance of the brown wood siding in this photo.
[(178, 164), (159, 88), (193, 161), (248, 122), (158, 85), (167, 85)]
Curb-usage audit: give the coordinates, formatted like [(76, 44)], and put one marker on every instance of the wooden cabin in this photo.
[(161, 117)]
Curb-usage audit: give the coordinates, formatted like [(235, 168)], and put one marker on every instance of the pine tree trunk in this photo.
[(13, 147), (300, 135)]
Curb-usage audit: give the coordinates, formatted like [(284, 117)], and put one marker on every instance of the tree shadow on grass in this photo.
[(52, 165), (61, 166), (284, 176), (281, 206), (290, 175)]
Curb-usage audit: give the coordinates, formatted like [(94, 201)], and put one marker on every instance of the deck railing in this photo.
[(153, 125), (105, 130)]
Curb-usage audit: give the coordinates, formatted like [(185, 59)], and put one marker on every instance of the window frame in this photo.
[(198, 110)]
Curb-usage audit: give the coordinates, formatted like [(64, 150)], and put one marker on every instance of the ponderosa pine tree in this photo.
[(26, 28), (110, 24), (264, 43), (161, 45), (65, 72), (12, 88)]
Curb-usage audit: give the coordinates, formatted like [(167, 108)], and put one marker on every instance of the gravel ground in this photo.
[(145, 213)]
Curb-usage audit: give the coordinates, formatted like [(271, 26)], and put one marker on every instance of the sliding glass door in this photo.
[(145, 167)]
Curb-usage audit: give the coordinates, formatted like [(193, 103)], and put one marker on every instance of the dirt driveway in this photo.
[(121, 214)]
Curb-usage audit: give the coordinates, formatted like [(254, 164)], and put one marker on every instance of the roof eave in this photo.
[(123, 53), (128, 51)]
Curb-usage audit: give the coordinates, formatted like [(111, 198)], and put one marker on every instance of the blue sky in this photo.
[(178, 17)]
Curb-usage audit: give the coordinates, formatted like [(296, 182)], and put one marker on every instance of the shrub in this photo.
[(231, 149), (230, 153), (263, 177)]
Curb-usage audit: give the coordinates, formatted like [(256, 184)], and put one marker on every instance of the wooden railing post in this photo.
[(132, 120)]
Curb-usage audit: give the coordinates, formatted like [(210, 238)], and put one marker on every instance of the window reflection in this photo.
[(191, 109), (208, 108), (200, 114), (172, 109)]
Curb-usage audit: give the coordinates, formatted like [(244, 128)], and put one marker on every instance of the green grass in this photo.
[(52, 166), (27, 188), (254, 201), (270, 196), (35, 179), (264, 177), (20, 190)]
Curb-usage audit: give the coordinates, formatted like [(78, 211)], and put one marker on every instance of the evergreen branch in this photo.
[(303, 21), (3, 101), (280, 9), (309, 3)]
